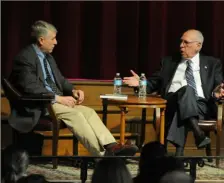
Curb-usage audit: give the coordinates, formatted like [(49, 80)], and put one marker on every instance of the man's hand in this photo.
[(78, 95), (66, 100), (133, 80), (219, 91)]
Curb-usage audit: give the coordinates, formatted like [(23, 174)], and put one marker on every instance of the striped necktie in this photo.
[(190, 77), (49, 80)]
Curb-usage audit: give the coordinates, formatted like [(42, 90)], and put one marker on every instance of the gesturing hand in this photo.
[(219, 91), (133, 80)]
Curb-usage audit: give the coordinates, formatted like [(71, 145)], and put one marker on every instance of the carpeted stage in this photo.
[(68, 173)]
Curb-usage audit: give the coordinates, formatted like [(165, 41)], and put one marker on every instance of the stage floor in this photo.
[(67, 173)]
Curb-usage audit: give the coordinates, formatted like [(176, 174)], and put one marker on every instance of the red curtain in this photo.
[(98, 39)]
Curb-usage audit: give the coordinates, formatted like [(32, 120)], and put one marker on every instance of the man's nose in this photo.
[(56, 42)]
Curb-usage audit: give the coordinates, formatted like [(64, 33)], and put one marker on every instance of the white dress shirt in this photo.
[(179, 79)]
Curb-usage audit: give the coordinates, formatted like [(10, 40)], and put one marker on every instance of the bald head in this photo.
[(191, 43), (196, 35)]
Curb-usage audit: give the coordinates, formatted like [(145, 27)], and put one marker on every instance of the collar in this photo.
[(194, 60), (38, 51)]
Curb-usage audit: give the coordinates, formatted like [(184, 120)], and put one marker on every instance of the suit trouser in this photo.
[(86, 126), (182, 105)]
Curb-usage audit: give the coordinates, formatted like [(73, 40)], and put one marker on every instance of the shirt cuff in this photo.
[(213, 96)]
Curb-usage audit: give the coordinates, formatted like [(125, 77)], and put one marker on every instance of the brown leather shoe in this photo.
[(121, 150)]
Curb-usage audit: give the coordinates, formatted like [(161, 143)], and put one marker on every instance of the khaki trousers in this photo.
[(86, 126)]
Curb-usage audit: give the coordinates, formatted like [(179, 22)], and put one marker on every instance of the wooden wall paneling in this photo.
[(92, 91)]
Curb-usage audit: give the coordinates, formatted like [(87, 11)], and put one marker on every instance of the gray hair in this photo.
[(41, 28), (200, 36)]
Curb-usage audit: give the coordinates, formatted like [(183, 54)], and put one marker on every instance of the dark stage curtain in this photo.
[(98, 39)]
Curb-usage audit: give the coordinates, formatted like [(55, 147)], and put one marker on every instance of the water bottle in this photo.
[(117, 84), (142, 86)]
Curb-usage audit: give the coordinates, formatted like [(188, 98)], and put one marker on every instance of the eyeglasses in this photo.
[(185, 42)]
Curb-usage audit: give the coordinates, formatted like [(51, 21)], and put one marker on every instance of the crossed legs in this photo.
[(183, 112)]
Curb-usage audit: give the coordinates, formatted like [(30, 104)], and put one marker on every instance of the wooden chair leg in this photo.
[(55, 131), (208, 149), (75, 151), (138, 141), (143, 123), (75, 146), (218, 148), (55, 146)]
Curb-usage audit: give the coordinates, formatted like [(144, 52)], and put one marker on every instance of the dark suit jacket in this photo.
[(27, 76), (210, 71)]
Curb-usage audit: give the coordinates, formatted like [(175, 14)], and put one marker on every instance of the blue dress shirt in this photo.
[(41, 57)]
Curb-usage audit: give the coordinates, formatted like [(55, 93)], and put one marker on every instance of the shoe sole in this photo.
[(127, 152)]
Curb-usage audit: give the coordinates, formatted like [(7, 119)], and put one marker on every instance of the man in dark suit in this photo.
[(189, 82), (34, 72)]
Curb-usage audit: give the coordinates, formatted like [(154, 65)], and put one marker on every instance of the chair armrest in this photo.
[(45, 97), (2, 93), (221, 100), (220, 114)]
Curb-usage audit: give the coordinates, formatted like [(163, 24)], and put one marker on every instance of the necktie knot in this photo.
[(189, 62)]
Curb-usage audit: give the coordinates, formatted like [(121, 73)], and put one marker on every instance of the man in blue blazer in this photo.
[(34, 72)]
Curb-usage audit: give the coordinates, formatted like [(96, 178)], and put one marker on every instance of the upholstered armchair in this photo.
[(49, 123)]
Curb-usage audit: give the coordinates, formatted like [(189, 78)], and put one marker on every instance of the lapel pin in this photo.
[(206, 67)]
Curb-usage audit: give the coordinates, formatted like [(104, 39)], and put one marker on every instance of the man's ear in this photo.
[(41, 40), (199, 45)]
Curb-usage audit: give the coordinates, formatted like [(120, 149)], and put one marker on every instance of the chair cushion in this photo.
[(207, 125), (207, 121)]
